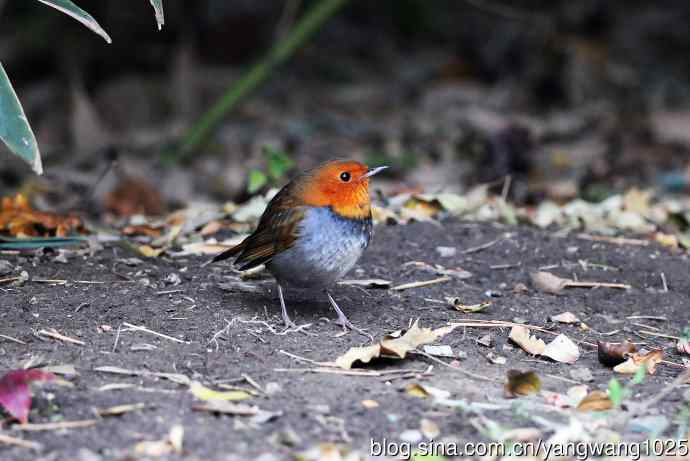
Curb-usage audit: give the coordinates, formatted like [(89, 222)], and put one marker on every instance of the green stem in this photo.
[(281, 51)]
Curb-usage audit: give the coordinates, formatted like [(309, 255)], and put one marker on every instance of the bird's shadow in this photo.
[(302, 304)]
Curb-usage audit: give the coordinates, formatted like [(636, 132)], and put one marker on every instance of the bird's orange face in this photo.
[(341, 185)]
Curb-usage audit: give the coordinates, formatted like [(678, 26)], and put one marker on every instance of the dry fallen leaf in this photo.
[(202, 392), (521, 383), (531, 344), (134, 196), (611, 354), (636, 360), (369, 404), (20, 220), (562, 349), (394, 348), (424, 391), (565, 317), (595, 401), (548, 282), (160, 448), (466, 308)]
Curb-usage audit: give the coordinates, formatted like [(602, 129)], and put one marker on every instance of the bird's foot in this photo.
[(292, 327), (347, 325)]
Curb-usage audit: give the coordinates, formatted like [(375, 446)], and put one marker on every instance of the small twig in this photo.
[(482, 247), (504, 266), (304, 359), (574, 284), (56, 426), (664, 284), (614, 240), (339, 371), (407, 286), (660, 318), (168, 292), (53, 333), (8, 440), (9, 279), (14, 340), (506, 187), (660, 335), (155, 333), (456, 368), (253, 383), (117, 337)]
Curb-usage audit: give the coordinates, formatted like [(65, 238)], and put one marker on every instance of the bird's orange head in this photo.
[(342, 185)]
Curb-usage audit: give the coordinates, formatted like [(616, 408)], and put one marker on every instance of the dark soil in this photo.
[(314, 405)]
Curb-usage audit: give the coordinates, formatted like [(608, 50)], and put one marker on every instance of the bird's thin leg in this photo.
[(286, 318), (343, 320), (290, 326)]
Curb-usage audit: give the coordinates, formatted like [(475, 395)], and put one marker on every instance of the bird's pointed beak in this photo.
[(373, 171)]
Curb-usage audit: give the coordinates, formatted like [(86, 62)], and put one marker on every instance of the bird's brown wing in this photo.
[(276, 232)]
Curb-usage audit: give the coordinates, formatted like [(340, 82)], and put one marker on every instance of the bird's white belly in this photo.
[(328, 246)]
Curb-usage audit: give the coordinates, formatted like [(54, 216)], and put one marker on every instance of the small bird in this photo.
[(313, 231)]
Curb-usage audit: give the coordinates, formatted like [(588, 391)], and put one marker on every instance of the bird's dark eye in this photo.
[(345, 176)]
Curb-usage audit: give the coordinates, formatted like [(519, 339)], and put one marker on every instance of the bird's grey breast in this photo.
[(328, 246)]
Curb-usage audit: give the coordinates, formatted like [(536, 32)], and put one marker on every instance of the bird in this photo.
[(312, 232)]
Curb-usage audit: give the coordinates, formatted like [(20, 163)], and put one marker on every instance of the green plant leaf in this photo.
[(160, 15), (70, 9), (15, 130), (638, 377), (279, 163), (7, 243), (616, 392), (257, 180)]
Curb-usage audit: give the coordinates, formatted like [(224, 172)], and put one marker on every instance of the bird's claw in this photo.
[(347, 325)]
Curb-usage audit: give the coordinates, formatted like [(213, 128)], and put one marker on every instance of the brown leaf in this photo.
[(521, 383), (134, 196), (595, 401), (562, 349), (394, 348), (20, 220), (531, 344), (548, 282), (611, 354), (636, 360)]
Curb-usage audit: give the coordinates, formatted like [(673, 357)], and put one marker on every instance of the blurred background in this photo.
[(568, 99)]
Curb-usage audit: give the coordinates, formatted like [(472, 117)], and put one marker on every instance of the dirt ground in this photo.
[(318, 407)]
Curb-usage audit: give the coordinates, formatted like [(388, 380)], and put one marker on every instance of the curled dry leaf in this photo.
[(565, 317), (548, 282), (649, 360), (20, 220), (521, 383), (531, 344), (466, 308), (595, 401), (15, 395), (562, 349), (611, 354), (393, 348)]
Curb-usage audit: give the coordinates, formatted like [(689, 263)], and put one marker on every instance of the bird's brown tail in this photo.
[(229, 253)]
